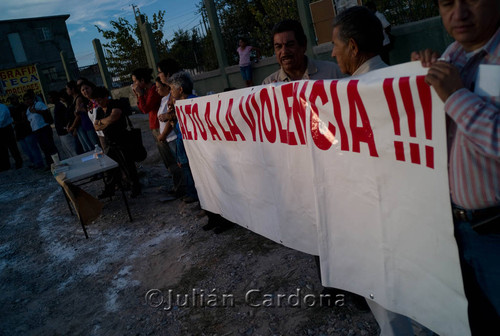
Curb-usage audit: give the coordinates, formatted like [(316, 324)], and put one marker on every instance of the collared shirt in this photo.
[(373, 63), (474, 130), (315, 70), (5, 118), (149, 103), (36, 119)]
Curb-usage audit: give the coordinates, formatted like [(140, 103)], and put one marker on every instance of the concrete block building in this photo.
[(38, 41)]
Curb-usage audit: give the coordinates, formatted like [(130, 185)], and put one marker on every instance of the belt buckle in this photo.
[(460, 214)]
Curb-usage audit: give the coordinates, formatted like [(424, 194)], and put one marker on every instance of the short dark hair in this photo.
[(290, 25), (72, 85), (360, 24), (54, 95), (159, 82), (29, 94), (100, 92), (86, 82), (168, 66), (64, 95), (143, 73), (82, 79)]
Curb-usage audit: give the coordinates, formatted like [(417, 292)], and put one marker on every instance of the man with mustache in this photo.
[(290, 44), (467, 79)]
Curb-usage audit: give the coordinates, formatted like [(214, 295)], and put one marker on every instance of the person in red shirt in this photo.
[(148, 100)]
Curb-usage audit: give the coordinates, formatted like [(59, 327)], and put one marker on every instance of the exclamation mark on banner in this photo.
[(393, 109), (406, 95), (424, 92), (404, 87)]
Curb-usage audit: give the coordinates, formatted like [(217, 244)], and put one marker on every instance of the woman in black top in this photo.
[(111, 120)]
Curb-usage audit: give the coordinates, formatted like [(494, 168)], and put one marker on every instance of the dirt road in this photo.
[(53, 281)]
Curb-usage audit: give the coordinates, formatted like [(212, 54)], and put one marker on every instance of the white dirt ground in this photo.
[(53, 281)]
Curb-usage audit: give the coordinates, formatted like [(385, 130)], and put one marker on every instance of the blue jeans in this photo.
[(246, 72), (88, 139), (189, 181), (480, 263), (29, 146), (45, 139)]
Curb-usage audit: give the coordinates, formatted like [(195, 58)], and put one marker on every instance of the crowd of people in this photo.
[(85, 116)]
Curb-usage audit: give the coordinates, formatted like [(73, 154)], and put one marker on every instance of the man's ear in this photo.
[(353, 47)]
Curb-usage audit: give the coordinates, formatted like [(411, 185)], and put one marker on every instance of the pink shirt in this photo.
[(244, 55), (474, 131)]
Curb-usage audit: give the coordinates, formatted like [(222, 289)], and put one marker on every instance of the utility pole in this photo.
[(101, 61), (147, 38), (64, 60), (306, 20), (217, 38)]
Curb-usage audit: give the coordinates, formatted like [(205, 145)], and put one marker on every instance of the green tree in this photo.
[(181, 49), (266, 14), (157, 26), (400, 12), (253, 19), (124, 50), (208, 54)]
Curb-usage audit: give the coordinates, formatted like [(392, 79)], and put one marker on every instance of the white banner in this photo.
[(352, 170)]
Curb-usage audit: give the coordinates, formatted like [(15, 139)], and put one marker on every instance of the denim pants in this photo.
[(480, 264), (68, 145), (189, 181), (29, 146), (88, 139), (8, 144), (45, 139)]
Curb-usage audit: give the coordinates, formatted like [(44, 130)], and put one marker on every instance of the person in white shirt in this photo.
[(8, 140), (167, 141), (41, 129)]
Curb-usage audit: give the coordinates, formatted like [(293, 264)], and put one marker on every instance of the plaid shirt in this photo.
[(474, 130)]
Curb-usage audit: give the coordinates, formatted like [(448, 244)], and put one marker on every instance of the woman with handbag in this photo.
[(111, 120)]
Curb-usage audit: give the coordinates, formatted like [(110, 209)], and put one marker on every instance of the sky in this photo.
[(86, 14)]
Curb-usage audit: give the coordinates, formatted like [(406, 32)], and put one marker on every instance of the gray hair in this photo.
[(182, 79)]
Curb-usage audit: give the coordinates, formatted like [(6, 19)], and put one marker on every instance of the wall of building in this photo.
[(428, 33), (45, 53)]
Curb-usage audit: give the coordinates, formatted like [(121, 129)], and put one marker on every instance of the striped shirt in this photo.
[(474, 130)]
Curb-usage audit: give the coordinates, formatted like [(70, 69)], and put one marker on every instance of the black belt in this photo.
[(483, 220)]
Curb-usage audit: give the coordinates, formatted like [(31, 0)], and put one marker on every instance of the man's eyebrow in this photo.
[(286, 42)]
